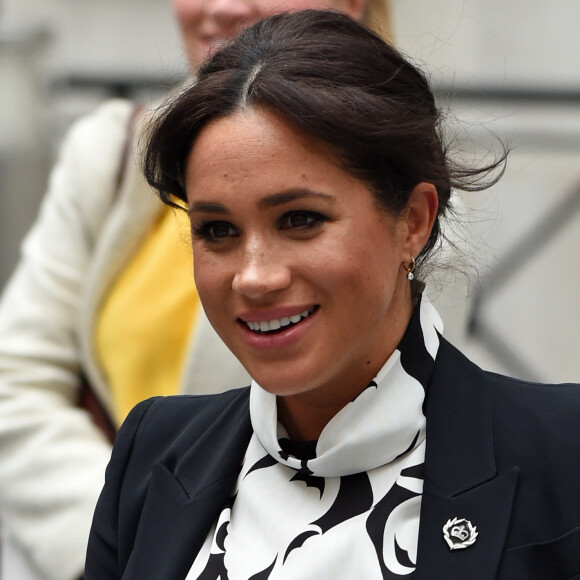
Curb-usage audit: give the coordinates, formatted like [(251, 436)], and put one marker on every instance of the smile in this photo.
[(265, 326)]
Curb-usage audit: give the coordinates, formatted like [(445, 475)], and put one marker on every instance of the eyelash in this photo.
[(206, 231), (314, 219)]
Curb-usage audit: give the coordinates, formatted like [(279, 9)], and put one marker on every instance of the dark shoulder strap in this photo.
[(126, 154)]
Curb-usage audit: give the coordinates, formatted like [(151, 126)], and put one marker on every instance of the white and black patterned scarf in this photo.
[(344, 506)]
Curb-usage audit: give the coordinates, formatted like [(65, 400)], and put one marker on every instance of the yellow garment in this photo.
[(146, 319)]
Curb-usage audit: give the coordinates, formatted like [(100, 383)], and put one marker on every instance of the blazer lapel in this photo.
[(487, 507), (184, 501), (173, 526), (461, 480)]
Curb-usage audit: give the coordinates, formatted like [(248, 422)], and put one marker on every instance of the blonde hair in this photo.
[(377, 17)]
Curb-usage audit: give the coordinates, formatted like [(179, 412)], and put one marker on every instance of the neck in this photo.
[(304, 415), (304, 420)]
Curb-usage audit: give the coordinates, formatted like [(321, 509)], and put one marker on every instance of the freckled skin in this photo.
[(347, 267)]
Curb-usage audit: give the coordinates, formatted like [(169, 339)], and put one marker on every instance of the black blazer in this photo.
[(502, 453)]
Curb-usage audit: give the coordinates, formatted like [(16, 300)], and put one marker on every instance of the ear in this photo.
[(354, 8), (419, 216)]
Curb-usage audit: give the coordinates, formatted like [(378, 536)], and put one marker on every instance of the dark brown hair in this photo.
[(336, 81)]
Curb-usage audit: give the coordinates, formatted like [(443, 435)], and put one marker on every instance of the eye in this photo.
[(215, 231), (301, 220)]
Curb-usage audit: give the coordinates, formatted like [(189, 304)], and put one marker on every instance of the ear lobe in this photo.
[(419, 216)]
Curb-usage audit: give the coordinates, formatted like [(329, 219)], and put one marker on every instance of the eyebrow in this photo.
[(273, 200), (292, 194), (207, 207)]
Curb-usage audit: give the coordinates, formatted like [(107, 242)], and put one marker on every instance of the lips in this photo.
[(277, 324)]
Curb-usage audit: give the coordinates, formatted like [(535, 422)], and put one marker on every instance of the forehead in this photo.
[(258, 127), (259, 146)]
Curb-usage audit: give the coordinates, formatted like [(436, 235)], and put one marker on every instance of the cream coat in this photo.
[(53, 458)]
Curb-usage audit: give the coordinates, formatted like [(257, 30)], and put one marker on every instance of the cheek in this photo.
[(188, 15), (211, 280), (337, 271), (368, 270)]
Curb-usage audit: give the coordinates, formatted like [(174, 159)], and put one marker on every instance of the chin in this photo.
[(281, 386)]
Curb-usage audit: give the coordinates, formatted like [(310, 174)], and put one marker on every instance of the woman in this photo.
[(309, 158), (102, 270)]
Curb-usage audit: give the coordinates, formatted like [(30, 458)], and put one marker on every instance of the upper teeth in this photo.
[(276, 323)]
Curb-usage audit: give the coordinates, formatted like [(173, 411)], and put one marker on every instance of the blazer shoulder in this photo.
[(166, 418), (181, 432), (518, 408), (546, 399)]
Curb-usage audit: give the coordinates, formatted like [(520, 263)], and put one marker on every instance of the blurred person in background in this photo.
[(83, 332)]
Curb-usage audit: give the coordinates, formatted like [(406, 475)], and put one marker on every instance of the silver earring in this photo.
[(410, 268)]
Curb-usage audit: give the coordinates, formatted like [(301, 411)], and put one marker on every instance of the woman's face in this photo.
[(206, 24), (298, 271)]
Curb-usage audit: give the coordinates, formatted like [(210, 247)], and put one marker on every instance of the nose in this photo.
[(261, 273), (229, 14)]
